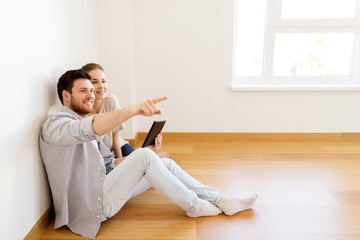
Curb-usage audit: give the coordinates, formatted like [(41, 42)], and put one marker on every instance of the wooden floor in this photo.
[(308, 189)]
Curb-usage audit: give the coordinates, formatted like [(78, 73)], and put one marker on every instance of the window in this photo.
[(296, 45)]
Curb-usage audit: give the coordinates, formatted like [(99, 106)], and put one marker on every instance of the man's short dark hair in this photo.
[(66, 81)]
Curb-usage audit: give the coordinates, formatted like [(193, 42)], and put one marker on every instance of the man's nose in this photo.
[(90, 94)]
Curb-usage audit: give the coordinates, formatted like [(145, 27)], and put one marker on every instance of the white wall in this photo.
[(40, 40), (116, 52), (183, 49)]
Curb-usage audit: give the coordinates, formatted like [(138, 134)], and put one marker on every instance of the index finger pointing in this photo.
[(159, 99)]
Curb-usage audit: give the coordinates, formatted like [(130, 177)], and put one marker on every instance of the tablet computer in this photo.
[(155, 129)]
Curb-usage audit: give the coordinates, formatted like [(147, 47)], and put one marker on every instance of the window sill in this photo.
[(237, 87)]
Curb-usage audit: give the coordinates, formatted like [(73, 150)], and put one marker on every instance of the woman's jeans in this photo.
[(126, 150), (162, 174)]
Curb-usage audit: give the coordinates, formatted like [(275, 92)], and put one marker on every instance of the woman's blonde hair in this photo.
[(91, 66)]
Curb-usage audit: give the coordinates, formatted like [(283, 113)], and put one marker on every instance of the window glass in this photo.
[(313, 54), (317, 9)]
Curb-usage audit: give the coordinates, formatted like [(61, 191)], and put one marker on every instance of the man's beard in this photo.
[(78, 108)]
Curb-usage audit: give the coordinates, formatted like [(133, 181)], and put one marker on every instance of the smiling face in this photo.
[(99, 82), (81, 98)]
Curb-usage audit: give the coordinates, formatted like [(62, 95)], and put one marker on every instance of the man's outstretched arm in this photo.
[(104, 123)]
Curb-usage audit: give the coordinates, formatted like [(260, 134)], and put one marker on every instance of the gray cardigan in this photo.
[(74, 159)]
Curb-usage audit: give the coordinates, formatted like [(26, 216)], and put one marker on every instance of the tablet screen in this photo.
[(155, 129)]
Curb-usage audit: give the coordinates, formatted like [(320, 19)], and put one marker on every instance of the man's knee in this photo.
[(144, 154), (167, 162), (143, 158)]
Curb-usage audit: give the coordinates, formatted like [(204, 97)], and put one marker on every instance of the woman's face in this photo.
[(99, 82)]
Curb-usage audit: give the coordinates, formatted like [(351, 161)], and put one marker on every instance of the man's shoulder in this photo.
[(63, 113)]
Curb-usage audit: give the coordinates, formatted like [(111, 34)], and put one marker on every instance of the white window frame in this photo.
[(274, 24)]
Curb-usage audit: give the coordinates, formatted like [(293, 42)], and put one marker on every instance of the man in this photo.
[(86, 186)]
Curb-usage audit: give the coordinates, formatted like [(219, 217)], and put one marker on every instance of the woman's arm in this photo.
[(117, 149), (119, 160), (116, 145)]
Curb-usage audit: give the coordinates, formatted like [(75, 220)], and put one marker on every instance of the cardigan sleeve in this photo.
[(63, 129)]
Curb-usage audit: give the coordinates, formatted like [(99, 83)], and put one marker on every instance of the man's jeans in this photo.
[(126, 181)]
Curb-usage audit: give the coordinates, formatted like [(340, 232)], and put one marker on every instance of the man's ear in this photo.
[(66, 96)]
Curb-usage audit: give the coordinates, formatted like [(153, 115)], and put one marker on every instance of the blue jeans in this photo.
[(126, 150)]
